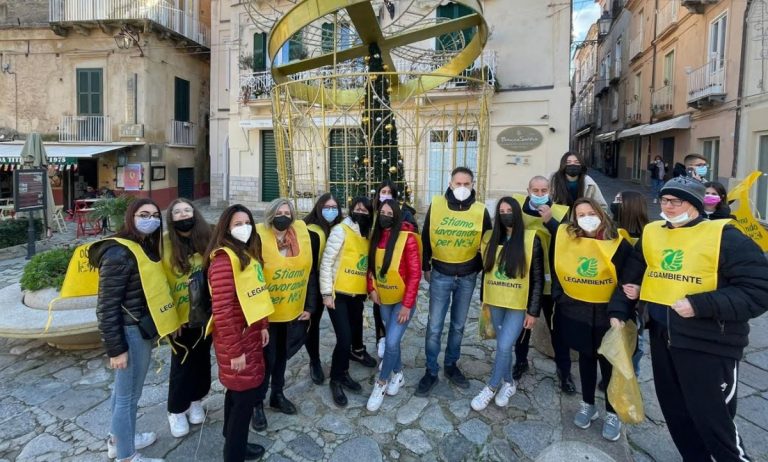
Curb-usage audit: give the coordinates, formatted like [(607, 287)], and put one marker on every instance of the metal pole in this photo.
[(31, 235)]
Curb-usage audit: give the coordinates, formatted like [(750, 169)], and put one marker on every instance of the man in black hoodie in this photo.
[(451, 236), (703, 281)]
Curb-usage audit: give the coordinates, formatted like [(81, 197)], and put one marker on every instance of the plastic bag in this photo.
[(617, 347), (485, 324)]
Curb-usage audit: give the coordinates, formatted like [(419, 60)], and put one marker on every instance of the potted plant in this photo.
[(112, 209)]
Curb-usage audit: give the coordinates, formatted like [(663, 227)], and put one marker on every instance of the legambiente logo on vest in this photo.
[(361, 269), (588, 270), (672, 262), (503, 280)]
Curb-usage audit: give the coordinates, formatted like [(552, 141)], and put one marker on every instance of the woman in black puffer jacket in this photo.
[(124, 320)]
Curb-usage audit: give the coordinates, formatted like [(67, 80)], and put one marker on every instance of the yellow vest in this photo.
[(287, 277), (391, 287), (625, 234), (500, 290), (82, 280), (536, 224), (455, 235), (584, 268), (353, 267), (680, 261), (179, 282), (322, 237), (251, 289)]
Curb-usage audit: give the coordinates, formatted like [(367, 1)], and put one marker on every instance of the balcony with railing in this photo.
[(96, 12), (632, 113), (706, 85), (697, 6), (663, 101), (85, 129), (181, 133), (256, 86), (667, 17), (636, 46)]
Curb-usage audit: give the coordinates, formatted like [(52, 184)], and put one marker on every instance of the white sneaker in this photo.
[(381, 346), (506, 391), (179, 424), (140, 441), (196, 413), (395, 382), (481, 401), (377, 396), (139, 458)]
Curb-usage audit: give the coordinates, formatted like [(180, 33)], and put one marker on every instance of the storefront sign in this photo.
[(29, 189), (519, 139)]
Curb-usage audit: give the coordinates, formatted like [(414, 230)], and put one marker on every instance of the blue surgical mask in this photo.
[(147, 225), (538, 201), (702, 170), (330, 214)]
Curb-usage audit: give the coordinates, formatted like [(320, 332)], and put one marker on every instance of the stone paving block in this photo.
[(755, 409), (205, 444), (43, 445), (753, 376), (72, 403), (654, 441), (456, 448), (758, 358), (96, 420), (433, 420), (306, 447), (573, 451), (754, 439), (358, 449), (415, 441), (411, 410), (530, 437), (475, 430)]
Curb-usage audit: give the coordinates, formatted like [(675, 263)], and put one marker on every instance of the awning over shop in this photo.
[(583, 132), (605, 137), (62, 156), (634, 131), (678, 123)]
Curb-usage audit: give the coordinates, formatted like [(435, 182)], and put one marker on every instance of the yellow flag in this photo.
[(745, 220)]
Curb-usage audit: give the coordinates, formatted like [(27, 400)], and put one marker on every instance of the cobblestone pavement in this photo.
[(54, 405)]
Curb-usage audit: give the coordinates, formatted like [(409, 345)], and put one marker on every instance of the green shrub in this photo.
[(46, 269), (112, 208), (14, 232)]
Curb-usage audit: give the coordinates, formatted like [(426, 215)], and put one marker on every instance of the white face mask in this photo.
[(462, 193), (242, 233), (589, 223), (678, 220)]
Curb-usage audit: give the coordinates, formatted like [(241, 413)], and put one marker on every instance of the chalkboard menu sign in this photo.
[(29, 189)]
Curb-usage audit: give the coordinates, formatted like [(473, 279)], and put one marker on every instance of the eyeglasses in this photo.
[(184, 211), (147, 215), (672, 202)]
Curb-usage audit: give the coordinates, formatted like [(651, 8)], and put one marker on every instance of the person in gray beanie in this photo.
[(702, 281)]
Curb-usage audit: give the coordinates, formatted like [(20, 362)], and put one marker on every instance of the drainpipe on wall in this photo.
[(740, 94)]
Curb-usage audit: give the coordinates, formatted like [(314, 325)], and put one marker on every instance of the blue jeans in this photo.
[(454, 292), (392, 361), (508, 325), (656, 185), (127, 390)]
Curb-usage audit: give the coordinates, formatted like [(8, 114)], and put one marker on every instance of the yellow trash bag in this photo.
[(485, 324), (617, 347)]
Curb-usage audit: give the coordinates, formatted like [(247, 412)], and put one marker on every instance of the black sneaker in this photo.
[(453, 374), (519, 370), (316, 372), (349, 383), (362, 357), (566, 383), (254, 451), (259, 420), (426, 384)]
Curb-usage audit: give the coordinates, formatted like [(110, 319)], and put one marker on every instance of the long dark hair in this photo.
[(606, 230), (385, 183), (367, 204), (223, 238), (633, 212), (315, 216), (184, 247), (723, 204), (394, 232), (512, 256), (150, 242), (559, 182)]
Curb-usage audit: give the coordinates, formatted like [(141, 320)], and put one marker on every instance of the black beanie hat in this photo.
[(687, 189)]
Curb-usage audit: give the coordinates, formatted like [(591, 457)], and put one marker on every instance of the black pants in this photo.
[(588, 372), (697, 395), (381, 331), (275, 359), (552, 318), (238, 409), (189, 380), (347, 319), (313, 335)]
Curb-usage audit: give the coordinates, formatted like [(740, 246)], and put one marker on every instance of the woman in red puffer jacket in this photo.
[(240, 326), (394, 272)]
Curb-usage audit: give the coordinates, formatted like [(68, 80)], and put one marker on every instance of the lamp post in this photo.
[(604, 24), (126, 38)]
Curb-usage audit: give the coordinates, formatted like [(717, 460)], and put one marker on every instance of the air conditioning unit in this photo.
[(131, 130)]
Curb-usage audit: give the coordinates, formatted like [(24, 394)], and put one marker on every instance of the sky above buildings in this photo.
[(585, 13)]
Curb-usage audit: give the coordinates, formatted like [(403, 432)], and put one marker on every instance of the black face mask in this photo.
[(573, 170), (507, 219), (615, 210), (282, 222), (363, 220), (385, 221), (184, 225)]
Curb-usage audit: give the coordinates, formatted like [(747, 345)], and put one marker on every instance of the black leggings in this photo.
[(275, 357), (588, 372), (347, 319), (313, 336)]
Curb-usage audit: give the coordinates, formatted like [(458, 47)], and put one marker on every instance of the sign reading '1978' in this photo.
[(519, 139)]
